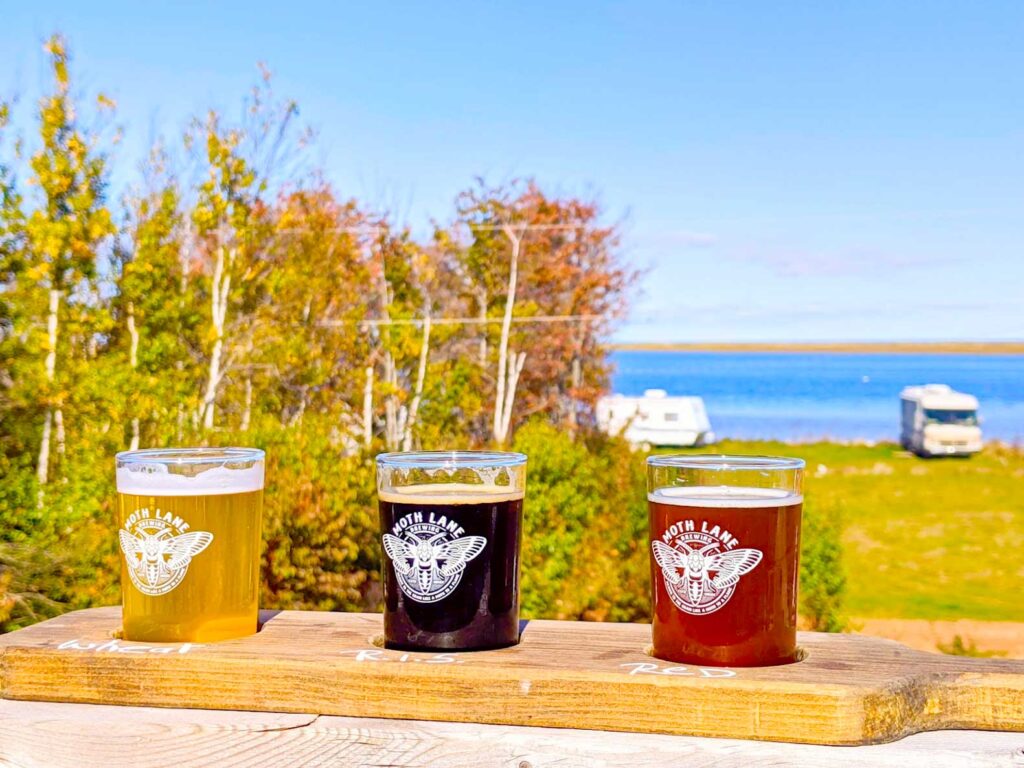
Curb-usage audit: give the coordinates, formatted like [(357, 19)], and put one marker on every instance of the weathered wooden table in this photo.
[(312, 689), (86, 735)]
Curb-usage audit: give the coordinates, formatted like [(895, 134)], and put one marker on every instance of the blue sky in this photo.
[(785, 171)]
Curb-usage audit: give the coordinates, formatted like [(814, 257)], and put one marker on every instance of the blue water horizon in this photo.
[(802, 397)]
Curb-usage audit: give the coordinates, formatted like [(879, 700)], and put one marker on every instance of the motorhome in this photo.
[(938, 421), (656, 419)]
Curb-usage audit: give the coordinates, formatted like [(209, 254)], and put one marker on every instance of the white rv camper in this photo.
[(937, 421), (656, 419)]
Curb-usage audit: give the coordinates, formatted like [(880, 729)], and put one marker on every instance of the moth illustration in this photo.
[(155, 558), (698, 565), (431, 561)]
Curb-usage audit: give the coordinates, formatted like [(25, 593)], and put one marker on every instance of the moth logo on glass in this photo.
[(429, 554), (158, 550), (699, 576)]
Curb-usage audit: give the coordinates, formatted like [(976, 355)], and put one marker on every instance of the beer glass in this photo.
[(189, 533), (725, 547), (451, 527)]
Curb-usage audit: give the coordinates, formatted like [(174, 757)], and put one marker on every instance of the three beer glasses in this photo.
[(451, 525), (189, 532), (725, 546)]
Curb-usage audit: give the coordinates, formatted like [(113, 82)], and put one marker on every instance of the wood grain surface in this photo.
[(848, 690), (35, 734)]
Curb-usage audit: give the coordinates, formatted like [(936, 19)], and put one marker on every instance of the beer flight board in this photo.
[(848, 689)]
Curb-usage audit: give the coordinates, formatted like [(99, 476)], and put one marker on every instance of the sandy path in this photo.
[(1006, 637)]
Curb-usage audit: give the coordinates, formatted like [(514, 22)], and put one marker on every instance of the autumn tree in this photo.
[(59, 241), (308, 352), (231, 223), (547, 264), (15, 438), (157, 332), (54, 228)]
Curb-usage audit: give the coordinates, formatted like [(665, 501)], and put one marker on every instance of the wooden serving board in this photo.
[(848, 689)]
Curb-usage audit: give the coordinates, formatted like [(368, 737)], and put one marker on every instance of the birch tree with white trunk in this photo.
[(62, 236), (133, 362), (421, 375), (510, 362), (241, 165)]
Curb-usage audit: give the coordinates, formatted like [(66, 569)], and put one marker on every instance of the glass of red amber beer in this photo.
[(451, 527), (725, 548)]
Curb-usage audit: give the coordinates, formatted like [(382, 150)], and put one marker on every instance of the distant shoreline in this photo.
[(840, 348)]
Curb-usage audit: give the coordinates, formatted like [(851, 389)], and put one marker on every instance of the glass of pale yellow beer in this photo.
[(188, 531)]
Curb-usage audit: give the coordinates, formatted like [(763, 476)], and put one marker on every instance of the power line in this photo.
[(371, 229), (461, 321)]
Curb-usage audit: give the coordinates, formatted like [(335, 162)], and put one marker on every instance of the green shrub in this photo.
[(959, 647), (585, 528), (320, 526), (822, 577)]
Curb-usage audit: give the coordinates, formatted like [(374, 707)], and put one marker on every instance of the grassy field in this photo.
[(924, 539)]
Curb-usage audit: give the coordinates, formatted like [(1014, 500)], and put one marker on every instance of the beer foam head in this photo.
[(183, 473), (724, 497), (450, 493)]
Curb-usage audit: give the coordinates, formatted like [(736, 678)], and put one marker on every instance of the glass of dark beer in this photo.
[(451, 527), (725, 548)]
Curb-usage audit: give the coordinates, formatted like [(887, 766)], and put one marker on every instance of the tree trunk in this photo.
[(43, 464), (391, 427), (180, 421), (211, 385), (296, 418), (43, 467), (133, 361), (421, 376), (481, 298), (505, 396), (247, 410), (58, 429), (184, 263), (218, 313), (133, 334), (391, 430), (515, 368), (577, 379), (368, 408)]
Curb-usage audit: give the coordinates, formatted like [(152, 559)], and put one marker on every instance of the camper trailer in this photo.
[(938, 421), (656, 419)]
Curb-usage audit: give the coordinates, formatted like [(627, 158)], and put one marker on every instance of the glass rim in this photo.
[(450, 459), (205, 455), (725, 462)]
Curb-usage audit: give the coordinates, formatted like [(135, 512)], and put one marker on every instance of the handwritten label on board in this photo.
[(376, 654), (650, 668), (633, 668), (113, 646)]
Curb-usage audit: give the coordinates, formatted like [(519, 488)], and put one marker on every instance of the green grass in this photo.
[(924, 538)]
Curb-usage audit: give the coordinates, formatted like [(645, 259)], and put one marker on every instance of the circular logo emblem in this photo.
[(429, 558), (158, 548), (700, 572)]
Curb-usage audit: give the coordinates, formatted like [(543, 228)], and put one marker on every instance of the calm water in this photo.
[(797, 396)]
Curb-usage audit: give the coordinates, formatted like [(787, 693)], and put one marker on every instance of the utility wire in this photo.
[(460, 321)]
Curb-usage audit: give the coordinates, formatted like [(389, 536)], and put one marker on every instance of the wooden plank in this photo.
[(87, 736), (848, 689)]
